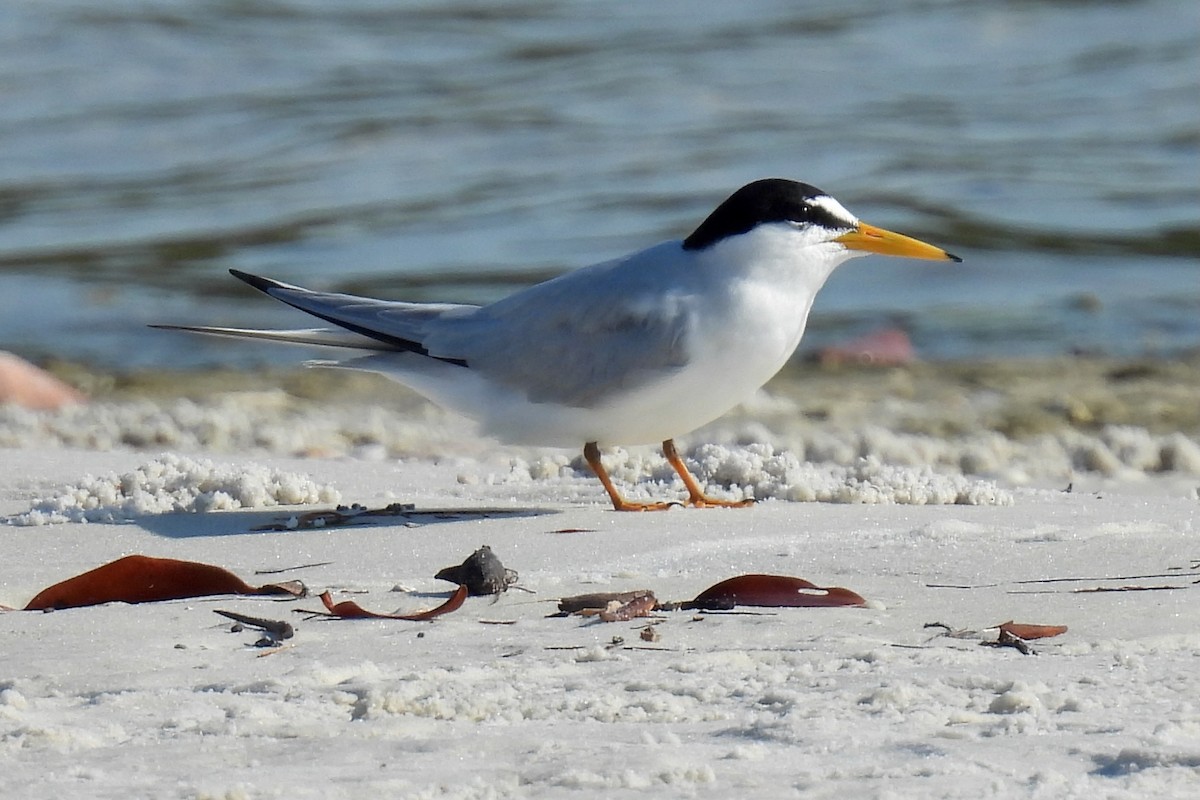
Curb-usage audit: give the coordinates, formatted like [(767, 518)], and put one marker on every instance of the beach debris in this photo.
[(773, 591), (1007, 639), (274, 631), (650, 633), (887, 347), (481, 572), (953, 633), (348, 609), (1015, 635), (1104, 589), (358, 515), (596, 602), (146, 579), (1024, 630), (1177, 573), (27, 386), (340, 517), (639, 606), (1009, 634), (279, 570)]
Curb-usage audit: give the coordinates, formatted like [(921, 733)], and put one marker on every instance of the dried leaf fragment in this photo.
[(1026, 631), (145, 579), (774, 591), (639, 606), (348, 609), (1006, 639), (598, 601)]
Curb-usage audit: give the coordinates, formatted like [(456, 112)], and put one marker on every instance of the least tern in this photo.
[(632, 351)]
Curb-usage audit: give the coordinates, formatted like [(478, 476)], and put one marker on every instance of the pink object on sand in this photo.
[(885, 348), (25, 385)]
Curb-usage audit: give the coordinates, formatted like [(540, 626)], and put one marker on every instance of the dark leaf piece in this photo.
[(774, 591), (348, 609), (482, 573), (144, 579)]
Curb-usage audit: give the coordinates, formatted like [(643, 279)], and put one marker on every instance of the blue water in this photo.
[(460, 149)]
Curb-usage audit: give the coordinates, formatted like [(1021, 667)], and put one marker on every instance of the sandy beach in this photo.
[(1058, 493)]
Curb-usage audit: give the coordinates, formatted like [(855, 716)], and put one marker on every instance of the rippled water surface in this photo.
[(460, 149)]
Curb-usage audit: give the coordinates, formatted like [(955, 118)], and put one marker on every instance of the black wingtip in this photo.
[(954, 258), (262, 284)]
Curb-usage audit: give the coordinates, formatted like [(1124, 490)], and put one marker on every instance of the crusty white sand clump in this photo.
[(172, 483), (761, 472), (266, 423)]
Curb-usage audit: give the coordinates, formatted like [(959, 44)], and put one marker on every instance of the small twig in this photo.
[(1108, 578), (275, 650), (1007, 639), (291, 569), (951, 633), (1038, 581), (1099, 589), (712, 612), (276, 630), (645, 647)]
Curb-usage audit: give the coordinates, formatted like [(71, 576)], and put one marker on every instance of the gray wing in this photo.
[(575, 339)]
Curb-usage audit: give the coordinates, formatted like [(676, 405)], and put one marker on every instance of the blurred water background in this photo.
[(461, 149)]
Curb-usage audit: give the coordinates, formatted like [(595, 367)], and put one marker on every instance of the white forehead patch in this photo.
[(834, 209)]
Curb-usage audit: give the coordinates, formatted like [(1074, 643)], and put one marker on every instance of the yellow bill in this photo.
[(870, 239)]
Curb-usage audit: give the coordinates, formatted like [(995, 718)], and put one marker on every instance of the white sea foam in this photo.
[(172, 483)]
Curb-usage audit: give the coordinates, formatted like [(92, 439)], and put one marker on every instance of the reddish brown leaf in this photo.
[(348, 609), (1025, 631), (773, 591), (639, 606), (598, 601), (144, 579)]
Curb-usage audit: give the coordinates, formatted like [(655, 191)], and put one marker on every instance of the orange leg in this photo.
[(696, 497), (591, 454)]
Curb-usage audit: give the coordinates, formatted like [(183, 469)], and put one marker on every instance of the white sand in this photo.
[(164, 701)]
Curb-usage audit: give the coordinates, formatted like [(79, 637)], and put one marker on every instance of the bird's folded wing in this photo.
[(559, 345)]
